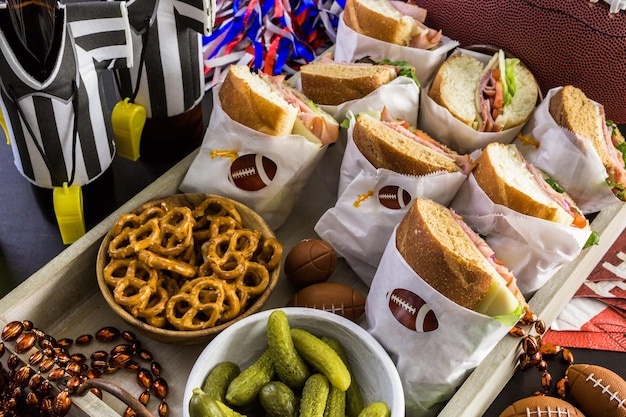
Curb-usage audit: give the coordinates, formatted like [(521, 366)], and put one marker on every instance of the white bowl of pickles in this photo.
[(274, 358)]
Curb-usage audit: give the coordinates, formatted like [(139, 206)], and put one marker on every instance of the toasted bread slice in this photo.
[(386, 148), (249, 100), (503, 175), (442, 253), (378, 19), (333, 83)]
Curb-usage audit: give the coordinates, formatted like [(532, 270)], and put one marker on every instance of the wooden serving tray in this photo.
[(64, 300)]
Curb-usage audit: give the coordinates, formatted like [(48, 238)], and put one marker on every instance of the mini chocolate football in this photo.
[(252, 172), (334, 297), (310, 261), (598, 391), (541, 406), (394, 197), (411, 311)]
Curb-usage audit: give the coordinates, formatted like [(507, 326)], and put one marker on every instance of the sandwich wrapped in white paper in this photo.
[(266, 173), (564, 157), (371, 203)]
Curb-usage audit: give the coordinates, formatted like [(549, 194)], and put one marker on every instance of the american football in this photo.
[(394, 197), (310, 261), (252, 172), (334, 297), (411, 311), (598, 391), (541, 405)]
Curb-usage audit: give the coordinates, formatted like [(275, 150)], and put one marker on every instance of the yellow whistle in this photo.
[(68, 207), (128, 120), (3, 123)]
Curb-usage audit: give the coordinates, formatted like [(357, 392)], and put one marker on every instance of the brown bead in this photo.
[(530, 345), (568, 356), (56, 374), (119, 360), (160, 388), (75, 368), (132, 366), (517, 331), (46, 364), (46, 407), (35, 381), (535, 359), (156, 368), (123, 348), (84, 339), (28, 325), (13, 361), (99, 355), (164, 409), (145, 355), (550, 349), (144, 397), (540, 327), (2, 349), (78, 357), (65, 342), (107, 334), (144, 378), (129, 412), (32, 400), (546, 380), (129, 336), (22, 376), (528, 318), (45, 388), (63, 358), (36, 357), (562, 387), (61, 404), (524, 362), (12, 330), (24, 342)]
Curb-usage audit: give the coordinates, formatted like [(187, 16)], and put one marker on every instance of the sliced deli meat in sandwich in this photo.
[(329, 82), (268, 104), (395, 145), (489, 98), (446, 253), (572, 110), (396, 22), (509, 180)]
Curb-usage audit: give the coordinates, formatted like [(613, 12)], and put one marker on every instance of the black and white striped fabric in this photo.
[(96, 37), (172, 79)]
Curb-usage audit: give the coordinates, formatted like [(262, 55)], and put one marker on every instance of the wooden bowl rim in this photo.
[(176, 335)]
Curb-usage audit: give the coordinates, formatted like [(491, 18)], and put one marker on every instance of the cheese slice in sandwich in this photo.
[(395, 145), (509, 180), (446, 253)]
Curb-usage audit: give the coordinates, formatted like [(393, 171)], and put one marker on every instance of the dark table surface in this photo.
[(28, 241)]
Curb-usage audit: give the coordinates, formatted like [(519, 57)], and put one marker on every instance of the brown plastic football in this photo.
[(310, 261), (598, 391), (541, 405), (334, 297)]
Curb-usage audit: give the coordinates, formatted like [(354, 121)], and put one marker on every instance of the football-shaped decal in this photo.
[(334, 297), (411, 311), (310, 261), (252, 172), (598, 391), (394, 197), (541, 406)]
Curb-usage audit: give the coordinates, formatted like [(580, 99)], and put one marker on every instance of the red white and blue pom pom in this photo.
[(272, 36)]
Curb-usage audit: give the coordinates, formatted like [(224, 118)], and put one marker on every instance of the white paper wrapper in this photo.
[(351, 46), (294, 156), (401, 97), (533, 249), (572, 162), (442, 125), (432, 364), (358, 228)]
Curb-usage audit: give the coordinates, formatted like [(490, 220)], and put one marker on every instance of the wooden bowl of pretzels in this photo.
[(180, 269)]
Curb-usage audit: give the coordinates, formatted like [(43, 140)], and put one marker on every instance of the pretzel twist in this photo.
[(201, 306), (187, 268)]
